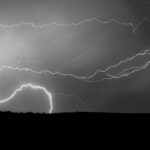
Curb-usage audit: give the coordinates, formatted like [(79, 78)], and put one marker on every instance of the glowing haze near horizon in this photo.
[(67, 56)]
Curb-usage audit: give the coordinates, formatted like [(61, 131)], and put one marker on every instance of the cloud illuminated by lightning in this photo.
[(134, 27), (87, 79), (35, 87)]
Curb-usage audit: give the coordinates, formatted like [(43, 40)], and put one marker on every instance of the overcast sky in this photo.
[(79, 50)]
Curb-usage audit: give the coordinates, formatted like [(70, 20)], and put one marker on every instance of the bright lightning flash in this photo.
[(8, 43), (35, 87)]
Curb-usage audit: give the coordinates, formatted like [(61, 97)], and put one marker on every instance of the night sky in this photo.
[(89, 55)]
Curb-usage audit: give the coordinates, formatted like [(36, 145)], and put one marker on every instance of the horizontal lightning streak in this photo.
[(130, 24), (127, 69), (136, 69), (134, 27), (87, 79), (35, 87), (77, 77), (118, 64), (121, 75)]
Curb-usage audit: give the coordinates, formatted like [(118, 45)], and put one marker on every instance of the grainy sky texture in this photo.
[(91, 55)]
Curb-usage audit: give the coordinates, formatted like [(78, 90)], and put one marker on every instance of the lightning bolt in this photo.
[(134, 28), (84, 77), (118, 64), (122, 74), (130, 24), (87, 79), (35, 87)]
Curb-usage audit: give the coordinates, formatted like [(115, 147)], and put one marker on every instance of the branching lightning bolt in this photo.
[(86, 79), (119, 75), (77, 77), (118, 64)]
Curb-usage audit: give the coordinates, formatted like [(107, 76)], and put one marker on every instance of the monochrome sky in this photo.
[(82, 38)]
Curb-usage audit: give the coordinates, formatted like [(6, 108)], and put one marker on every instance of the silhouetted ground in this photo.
[(74, 116), (76, 124)]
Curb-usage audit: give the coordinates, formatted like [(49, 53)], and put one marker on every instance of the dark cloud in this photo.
[(70, 10)]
